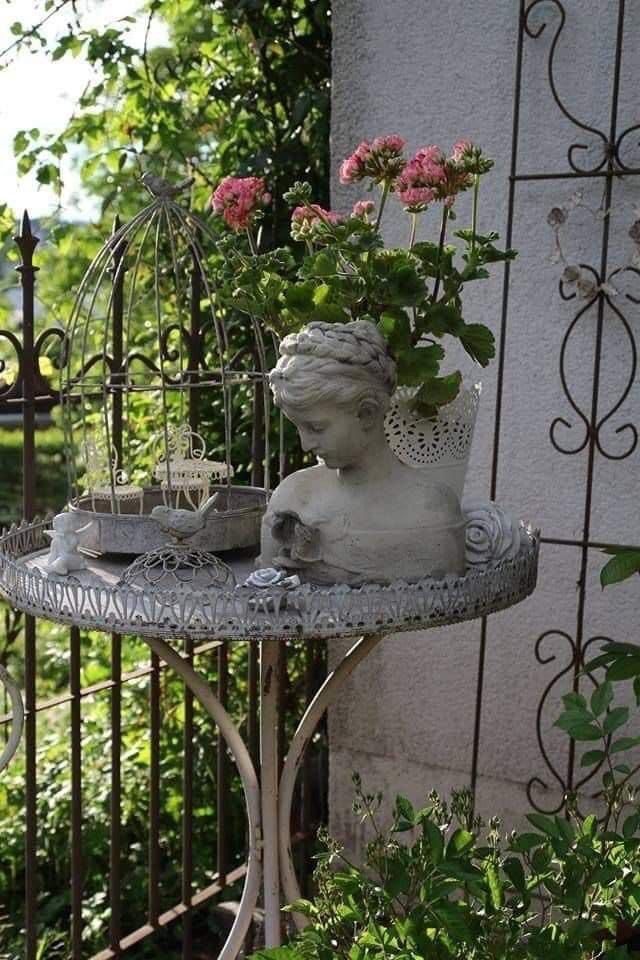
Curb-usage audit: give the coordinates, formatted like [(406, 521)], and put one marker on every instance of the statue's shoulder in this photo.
[(296, 490)]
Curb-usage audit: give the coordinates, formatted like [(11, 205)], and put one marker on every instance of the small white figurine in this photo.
[(64, 555)]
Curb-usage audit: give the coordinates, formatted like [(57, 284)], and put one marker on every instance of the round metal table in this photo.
[(95, 598)]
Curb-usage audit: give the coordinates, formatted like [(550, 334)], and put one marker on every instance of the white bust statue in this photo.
[(359, 515)]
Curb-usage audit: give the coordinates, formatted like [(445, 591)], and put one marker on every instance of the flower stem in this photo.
[(474, 214), (443, 233), (383, 200), (414, 222), (252, 242)]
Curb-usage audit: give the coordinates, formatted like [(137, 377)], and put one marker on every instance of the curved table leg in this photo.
[(17, 723), (201, 689), (301, 738), (269, 696)]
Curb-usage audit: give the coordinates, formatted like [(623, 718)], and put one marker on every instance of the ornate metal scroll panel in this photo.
[(596, 157)]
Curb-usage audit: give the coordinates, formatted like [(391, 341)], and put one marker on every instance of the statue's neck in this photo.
[(375, 463)]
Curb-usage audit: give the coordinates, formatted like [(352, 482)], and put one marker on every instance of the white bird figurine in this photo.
[(159, 187), (183, 524)]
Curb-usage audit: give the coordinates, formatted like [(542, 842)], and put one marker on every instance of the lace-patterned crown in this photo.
[(446, 440)]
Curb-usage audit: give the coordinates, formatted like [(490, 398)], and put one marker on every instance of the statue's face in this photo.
[(337, 435)]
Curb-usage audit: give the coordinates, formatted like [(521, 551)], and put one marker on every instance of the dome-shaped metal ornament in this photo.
[(177, 567), (159, 385)]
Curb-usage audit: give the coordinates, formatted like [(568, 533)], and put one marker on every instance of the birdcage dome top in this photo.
[(160, 384)]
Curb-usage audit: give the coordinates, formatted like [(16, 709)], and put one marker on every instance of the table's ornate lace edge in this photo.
[(305, 612)]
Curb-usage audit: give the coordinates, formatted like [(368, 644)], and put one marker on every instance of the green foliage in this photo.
[(240, 87), (625, 561), (414, 295), (440, 883), (50, 475)]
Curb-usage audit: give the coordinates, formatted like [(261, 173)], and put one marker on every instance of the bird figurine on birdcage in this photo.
[(157, 389)]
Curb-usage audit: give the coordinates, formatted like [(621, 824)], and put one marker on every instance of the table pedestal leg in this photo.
[(312, 715), (269, 692)]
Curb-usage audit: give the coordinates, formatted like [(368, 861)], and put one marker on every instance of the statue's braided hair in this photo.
[(346, 362)]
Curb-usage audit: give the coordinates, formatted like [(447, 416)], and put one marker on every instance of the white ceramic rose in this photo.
[(271, 577), (491, 534)]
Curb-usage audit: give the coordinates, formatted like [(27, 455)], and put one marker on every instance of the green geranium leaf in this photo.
[(468, 235), (437, 392), (622, 565), (395, 326), (330, 313), (479, 342), (420, 365), (299, 298), (440, 318)]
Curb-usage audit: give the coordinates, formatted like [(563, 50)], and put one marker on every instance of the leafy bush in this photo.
[(567, 889)]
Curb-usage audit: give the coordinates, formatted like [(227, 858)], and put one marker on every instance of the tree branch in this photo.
[(32, 31)]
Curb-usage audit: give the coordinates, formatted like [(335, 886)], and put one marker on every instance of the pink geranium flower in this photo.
[(304, 219), (380, 160), (238, 199), (422, 179), (468, 157), (430, 176), (461, 148), (362, 209), (315, 212)]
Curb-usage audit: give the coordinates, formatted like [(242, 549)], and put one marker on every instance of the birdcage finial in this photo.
[(159, 187)]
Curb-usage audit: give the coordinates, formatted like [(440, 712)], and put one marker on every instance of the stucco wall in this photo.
[(434, 72)]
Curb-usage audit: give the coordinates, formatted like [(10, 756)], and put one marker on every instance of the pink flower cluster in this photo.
[(381, 160), (362, 209), (430, 176), (468, 157), (461, 149), (237, 199), (305, 219), (418, 184), (314, 212)]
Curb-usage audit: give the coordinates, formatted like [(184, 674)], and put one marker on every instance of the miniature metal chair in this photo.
[(106, 480), (185, 470)]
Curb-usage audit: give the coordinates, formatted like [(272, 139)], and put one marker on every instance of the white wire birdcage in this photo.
[(160, 388)]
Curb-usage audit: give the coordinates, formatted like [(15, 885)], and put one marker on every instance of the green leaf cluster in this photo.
[(438, 882)]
